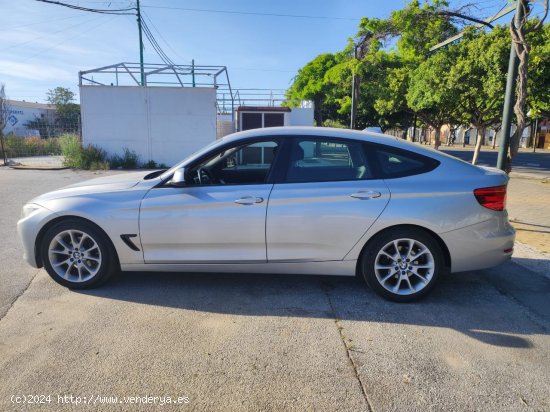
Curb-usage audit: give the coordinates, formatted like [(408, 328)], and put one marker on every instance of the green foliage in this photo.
[(67, 113), (462, 83), (538, 97), (310, 84), (129, 160), (151, 164), (479, 76), (60, 96), (71, 150), (78, 157), (334, 123), (31, 146)]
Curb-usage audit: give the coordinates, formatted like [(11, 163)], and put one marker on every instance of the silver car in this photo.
[(281, 200)]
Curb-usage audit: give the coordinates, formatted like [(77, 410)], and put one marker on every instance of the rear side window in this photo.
[(400, 163), (326, 160)]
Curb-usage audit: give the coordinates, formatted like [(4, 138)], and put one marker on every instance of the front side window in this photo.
[(325, 160), (244, 164)]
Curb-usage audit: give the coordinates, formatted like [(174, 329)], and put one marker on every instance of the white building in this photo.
[(21, 112)]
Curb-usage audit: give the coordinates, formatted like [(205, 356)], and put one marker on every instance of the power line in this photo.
[(80, 33), (38, 23), (155, 44), (102, 11), (250, 13), (49, 34), (160, 35)]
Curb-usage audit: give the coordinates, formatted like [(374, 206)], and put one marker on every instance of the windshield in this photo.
[(190, 158)]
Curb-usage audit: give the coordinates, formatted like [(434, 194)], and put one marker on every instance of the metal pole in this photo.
[(193, 71), (354, 95), (140, 45), (507, 111)]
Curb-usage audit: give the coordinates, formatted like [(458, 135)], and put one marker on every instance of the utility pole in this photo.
[(140, 45), (509, 95)]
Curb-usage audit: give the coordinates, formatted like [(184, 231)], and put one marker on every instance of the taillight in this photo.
[(492, 197)]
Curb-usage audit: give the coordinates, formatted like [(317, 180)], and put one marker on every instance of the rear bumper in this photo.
[(480, 246)]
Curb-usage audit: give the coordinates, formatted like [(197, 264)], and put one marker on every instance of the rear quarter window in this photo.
[(394, 163)]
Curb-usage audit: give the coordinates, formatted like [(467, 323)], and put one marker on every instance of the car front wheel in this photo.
[(78, 255), (402, 264)]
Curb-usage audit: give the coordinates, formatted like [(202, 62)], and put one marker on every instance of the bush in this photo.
[(93, 158), (151, 164), (129, 160), (78, 157), (31, 146)]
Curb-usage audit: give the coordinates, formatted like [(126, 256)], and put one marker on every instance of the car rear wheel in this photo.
[(77, 254), (402, 264)]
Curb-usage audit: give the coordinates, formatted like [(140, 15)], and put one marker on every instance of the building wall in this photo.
[(164, 124), (300, 116), (20, 112)]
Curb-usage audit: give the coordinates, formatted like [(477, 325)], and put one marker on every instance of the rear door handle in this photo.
[(249, 200), (366, 194)]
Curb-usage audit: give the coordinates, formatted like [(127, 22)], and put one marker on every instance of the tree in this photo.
[(4, 113), (538, 98), (479, 74), (67, 112), (432, 94), (309, 84), (520, 28)]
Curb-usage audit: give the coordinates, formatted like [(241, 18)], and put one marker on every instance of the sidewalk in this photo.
[(528, 205)]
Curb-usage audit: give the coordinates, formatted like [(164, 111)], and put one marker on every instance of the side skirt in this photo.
[(332, 268)]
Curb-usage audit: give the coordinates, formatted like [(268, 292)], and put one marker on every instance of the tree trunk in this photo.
[(479, 141), (3, 150), (495, 137), (437, 142)]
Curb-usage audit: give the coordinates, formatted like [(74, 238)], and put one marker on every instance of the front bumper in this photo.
[(480, 246), (28, 228)]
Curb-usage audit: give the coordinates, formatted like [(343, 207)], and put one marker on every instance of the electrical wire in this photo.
[(160, 35), (49, 34), (250, 13), (164, 57), (102, 11), (80, 33)]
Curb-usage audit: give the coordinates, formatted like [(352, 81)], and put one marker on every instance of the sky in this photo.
[(261, 42)]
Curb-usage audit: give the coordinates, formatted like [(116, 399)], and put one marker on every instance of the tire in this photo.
[(78, 254), (402, 264)]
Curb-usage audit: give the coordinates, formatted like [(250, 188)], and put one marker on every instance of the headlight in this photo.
[(28, 209)]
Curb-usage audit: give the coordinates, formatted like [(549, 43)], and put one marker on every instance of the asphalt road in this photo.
[(537, 163), (481, 341)]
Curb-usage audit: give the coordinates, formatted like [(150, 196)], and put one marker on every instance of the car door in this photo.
[(328, 200), (219, 216)]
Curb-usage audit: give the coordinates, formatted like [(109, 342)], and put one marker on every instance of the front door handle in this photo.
[(249, 200), (366, 194)]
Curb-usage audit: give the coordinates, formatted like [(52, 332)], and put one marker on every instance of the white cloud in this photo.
[(35, 71)]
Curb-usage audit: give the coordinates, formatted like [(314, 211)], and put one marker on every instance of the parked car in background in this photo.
[(281, 200)]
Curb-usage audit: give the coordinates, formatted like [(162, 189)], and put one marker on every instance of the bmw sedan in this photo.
[(281, 200)]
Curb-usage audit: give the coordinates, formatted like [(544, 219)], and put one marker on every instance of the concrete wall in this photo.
[(164, 124), (301, 117)]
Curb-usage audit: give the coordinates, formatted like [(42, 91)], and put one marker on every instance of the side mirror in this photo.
[(178, 180)]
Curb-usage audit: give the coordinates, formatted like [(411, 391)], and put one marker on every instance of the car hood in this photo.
[(104, 184)]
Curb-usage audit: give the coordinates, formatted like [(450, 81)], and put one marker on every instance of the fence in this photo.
[(39, 146)]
